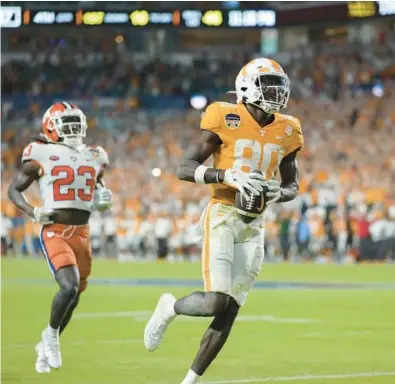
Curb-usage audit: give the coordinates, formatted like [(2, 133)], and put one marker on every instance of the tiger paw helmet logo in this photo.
[(232, 121)]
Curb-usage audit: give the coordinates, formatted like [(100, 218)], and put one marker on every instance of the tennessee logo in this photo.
[(232, 121), (54, 158), (288, 130)]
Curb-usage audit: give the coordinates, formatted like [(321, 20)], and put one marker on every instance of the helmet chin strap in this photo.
[(264, 109), (73, 141)]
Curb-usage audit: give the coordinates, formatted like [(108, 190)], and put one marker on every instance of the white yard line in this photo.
[(100, 315), (81, 342), (303, 377), (144, 315), (141, 316)]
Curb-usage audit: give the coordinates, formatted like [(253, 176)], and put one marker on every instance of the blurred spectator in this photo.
[(285, 235), (303, 234), (6, 226), (110, 232), (365, 242), (96, 230), (348, 160), (163, 229)]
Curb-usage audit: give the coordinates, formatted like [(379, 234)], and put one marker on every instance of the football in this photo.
[(250, 210)]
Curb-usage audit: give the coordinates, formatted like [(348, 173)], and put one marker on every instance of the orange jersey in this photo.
[(247, 146)]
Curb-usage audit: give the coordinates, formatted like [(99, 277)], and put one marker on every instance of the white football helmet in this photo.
[(64, 122), (264, 84)]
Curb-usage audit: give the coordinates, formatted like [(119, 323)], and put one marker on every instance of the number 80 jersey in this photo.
[(67, 175), (246, 146)]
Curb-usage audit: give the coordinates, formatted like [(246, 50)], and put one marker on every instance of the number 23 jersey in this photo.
[(246, 146), (67, 175)]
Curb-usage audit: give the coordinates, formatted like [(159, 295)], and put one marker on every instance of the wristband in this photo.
[(199, 174)]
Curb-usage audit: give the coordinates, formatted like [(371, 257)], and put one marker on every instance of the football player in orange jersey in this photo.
[(70, 176), (244, 137)]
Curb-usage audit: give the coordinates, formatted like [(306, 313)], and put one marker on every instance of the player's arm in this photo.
[(25, 177), (102, 196), (30, 172), (99, 180), (289, 178), (196, 156), (193, 170)]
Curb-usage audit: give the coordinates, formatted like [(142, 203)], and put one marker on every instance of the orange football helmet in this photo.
[(64, 122)]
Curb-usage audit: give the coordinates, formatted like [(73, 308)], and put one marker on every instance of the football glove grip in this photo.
[(245, 182), (274, 191), (102, 199)]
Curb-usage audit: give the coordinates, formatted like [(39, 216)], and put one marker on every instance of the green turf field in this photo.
[(336, 335)]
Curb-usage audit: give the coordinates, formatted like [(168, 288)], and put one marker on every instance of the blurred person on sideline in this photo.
[(163, 228), (96, 233), (110, 235), (391, 233), (6, 227), (303, 235), (364, 236), (284, 234)]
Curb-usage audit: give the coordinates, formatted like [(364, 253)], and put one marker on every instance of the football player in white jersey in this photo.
[(70, 176)]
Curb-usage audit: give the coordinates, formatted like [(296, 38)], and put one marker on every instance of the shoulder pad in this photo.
[(213, 116), (292, 120), (293, 131), (99, 153), (33, 151)]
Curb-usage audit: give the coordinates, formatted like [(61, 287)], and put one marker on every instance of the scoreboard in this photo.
[(16, 17)]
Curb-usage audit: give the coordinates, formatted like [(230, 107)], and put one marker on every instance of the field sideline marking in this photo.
[(303, 377), (81, 342), (160, 282), (144, 315)]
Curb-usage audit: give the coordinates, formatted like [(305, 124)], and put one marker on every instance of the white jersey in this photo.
[(67, 175)]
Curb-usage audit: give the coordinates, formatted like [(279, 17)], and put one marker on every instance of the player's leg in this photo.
[(69, 313), (48, 350), (68, 281), (217, 258), (81, 245), (217, 261), (202, 304), (248, 257), (213, 341), (61, 260)]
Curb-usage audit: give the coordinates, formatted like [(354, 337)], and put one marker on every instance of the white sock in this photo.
[(172, 311), (53, 332), (191, 378)]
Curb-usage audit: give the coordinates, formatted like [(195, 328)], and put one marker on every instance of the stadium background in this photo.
[(144, 71), (135, 70)]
